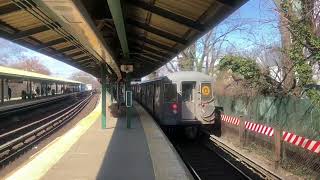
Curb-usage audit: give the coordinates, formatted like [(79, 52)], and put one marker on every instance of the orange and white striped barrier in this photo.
[(311, 145)]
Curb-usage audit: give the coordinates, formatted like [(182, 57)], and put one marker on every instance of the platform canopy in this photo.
[(89, 34), (12, 73)]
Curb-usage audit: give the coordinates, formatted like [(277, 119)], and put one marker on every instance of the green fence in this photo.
[(290, 114)]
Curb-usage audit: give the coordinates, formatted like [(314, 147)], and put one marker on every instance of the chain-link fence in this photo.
[(283, 129)]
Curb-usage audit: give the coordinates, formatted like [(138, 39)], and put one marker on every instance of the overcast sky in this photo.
[(260, 13)]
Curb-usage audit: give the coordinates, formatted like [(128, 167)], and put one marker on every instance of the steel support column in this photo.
[(117, 16), (112, 92), (103, 97), (30, 89), (129, 109), (2, 90), (46, 90), (118, 99), (40, 88)]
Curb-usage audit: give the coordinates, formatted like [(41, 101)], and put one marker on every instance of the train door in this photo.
[(188, 105)]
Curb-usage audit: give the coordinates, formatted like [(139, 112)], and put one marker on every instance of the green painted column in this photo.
[(46, 89), (118, 99), (103, 98), (129, 109), (2, 90), (117, 16), (111, 92)]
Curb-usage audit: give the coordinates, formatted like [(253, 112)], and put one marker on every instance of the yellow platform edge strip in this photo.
[(51, 154)]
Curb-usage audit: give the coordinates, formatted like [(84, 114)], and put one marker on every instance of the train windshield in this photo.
[(170, 92), (187, 91), (206, 92)]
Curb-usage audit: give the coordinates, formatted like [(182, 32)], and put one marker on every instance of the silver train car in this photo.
[(179, 100)]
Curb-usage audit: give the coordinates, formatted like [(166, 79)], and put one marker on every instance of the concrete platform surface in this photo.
[(115, 153)]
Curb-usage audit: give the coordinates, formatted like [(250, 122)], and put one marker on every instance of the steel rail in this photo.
[(40, 132), (15, 131), (193, 172), (5, 113), (258, 169)]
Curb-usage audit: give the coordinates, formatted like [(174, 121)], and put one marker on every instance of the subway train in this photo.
[(181, 100)]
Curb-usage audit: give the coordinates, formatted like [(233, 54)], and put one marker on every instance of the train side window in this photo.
[(206, 92), (170, 92), (157, 94)]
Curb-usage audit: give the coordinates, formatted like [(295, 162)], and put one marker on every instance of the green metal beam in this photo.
[(103, 98), (117, 16), (128, 109)]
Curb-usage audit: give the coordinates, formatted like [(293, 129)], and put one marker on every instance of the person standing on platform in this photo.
[(38, 91), (9, 93)]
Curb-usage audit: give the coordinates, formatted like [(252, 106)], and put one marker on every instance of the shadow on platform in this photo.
[(127, 155)]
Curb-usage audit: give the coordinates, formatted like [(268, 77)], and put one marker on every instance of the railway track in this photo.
[(208, 158), (15, 142), (206, 164), (20, 109), (251, 168)]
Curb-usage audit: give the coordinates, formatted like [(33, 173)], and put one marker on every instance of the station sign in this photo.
[(126, 68)]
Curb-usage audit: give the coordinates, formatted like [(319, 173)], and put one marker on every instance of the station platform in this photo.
[(89, 152)]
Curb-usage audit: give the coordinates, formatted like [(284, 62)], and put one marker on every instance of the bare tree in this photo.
[(288, 73), (202, 55), (187, 58), (10, 53), (33, 65), (153, 75), (170, 67)]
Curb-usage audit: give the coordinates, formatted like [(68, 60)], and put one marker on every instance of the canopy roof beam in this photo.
[(149, 59), (51, 43), (8, 32), (156, 31), (145, 60), (151, 50), (169, 15), (83, 58), (156, 44), (9, 8), (75, 54), (29, 32), (69, 48), (159, 59)]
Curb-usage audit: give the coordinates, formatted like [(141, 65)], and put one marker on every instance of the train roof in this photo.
[(17, 73)]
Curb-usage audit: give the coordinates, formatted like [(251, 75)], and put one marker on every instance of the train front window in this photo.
[(206, 92), (187, 91), (170, 92)]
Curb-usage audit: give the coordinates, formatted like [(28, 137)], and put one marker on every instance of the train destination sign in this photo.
[(205, 90)]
